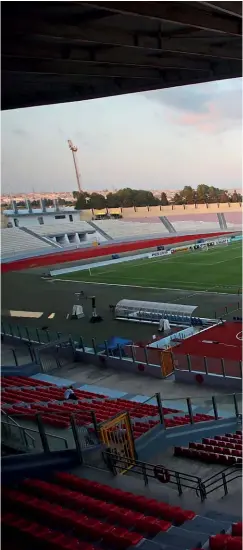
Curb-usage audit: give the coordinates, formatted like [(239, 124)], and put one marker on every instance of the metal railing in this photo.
[(25, 435), (222, 479), (149, 471), (181, 480)]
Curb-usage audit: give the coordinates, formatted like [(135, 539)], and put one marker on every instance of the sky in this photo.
[(163, 139)]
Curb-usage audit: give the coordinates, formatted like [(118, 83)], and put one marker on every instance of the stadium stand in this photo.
[(188, 222), (23, 397), (65, 227), (119, 229), (233, 220), (220, 449), (75, 513), (14, 241)]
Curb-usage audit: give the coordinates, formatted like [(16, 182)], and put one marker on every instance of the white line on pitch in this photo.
[(51, 316), (149, 287)]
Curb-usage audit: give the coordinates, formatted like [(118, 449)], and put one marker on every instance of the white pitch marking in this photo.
[(148, 287), (239, 336), (51, 316), (30, 314)]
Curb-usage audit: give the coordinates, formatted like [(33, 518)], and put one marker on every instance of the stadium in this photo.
[(121, 410)]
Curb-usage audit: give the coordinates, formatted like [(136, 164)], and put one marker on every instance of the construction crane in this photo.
[(74, 150)]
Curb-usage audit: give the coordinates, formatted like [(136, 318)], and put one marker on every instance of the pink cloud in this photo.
[(207, 122)]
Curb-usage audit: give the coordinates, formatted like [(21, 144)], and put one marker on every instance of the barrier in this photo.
[(102, 250), (159, 253)]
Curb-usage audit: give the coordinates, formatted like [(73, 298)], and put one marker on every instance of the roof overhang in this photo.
[(56, 52)]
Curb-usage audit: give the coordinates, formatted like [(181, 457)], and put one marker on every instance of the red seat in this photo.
[(237, 529)]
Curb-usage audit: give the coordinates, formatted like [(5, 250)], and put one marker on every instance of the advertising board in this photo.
[(159, 253), (180, 249)]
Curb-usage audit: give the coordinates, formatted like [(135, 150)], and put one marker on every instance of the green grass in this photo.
[(217, 270)]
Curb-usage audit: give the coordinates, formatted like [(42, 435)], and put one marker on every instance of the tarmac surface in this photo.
[(29, 292)]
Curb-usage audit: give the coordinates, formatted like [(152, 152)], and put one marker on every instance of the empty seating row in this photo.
[(97, 508), (225, 542), (31, 534), (222, 449), (227, 450), (125, 499), (65, 519), (14, 241)]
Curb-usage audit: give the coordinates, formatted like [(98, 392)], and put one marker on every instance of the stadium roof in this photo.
[(55, 52)]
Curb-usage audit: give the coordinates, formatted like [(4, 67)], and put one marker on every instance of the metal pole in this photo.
[(120, 351), (236, 406), (146, 356), (42, 433), (160, 410), (189, 406), (94, 346), (132, 435), (222, 366), (48, 335), (11, 330), (95, 423), (18, 331), (240, 363), (76, 438), (106, 348), (189, 362), (27, 332), (205, 365), (38, 336), (215, 408), (15, 357), (3, 329), (133, 355), (81, 343)]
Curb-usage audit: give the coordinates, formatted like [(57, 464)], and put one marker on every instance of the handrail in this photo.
[(15, 423), (147, 470), (36, 431), (222, 481), (50, 435)]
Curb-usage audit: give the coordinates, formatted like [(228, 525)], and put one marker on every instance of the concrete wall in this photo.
[(152, 211), (211, 380), (115, 363)]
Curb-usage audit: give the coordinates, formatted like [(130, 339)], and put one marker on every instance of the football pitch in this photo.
[(218, 269)]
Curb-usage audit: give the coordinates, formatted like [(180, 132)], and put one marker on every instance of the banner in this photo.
[(180, 249), (159, 253)]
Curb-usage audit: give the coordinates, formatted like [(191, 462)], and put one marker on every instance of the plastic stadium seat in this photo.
[(237, 529), (225, 542)]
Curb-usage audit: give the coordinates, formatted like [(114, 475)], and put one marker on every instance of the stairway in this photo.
[(97, 228), (222, 221), (168, 225)]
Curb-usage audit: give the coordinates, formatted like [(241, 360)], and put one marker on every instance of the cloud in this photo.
[(208, 108)]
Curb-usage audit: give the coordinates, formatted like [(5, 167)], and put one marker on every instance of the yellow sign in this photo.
[(167, 364), (116, 434)]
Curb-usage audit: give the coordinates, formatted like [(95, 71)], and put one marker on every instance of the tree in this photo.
[(97, 201), (177, 199), (224, 197), (236, 197), (163, 199), (188, 195), (82, 201)]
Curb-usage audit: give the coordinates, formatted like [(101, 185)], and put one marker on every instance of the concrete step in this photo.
[(151, 545), (205, 525), (181, 538), (218, 516)]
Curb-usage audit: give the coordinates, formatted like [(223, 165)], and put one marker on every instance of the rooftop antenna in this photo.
[(74, 150)]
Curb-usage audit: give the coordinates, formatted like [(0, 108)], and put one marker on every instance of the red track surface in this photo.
[(216, 343)]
